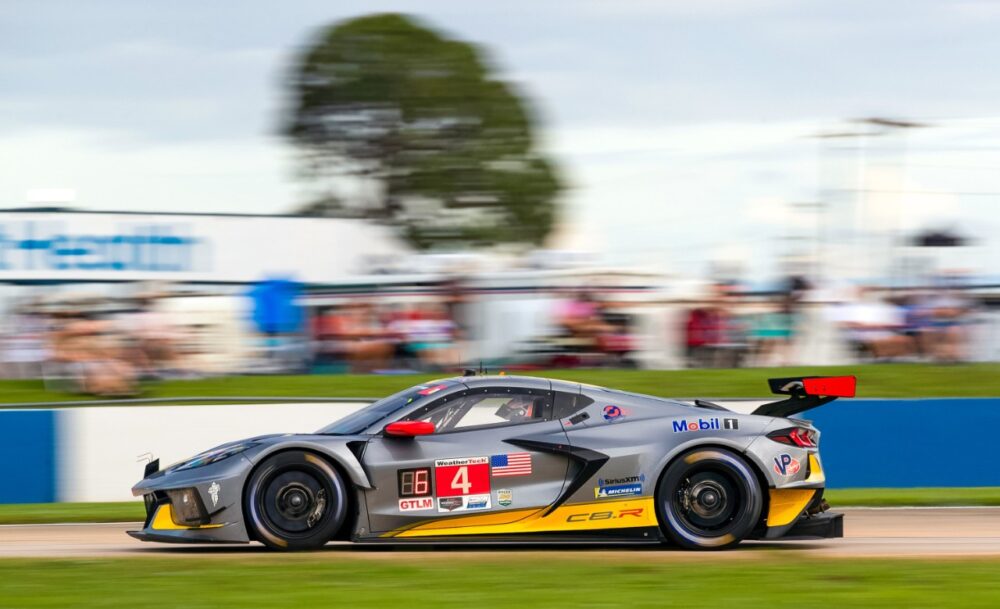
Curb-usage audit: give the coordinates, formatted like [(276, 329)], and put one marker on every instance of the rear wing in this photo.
[(805, 393)]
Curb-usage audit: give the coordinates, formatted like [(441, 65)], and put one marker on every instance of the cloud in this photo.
[(238, 176)]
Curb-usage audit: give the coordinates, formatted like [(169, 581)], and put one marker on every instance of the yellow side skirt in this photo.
[(622, 514)]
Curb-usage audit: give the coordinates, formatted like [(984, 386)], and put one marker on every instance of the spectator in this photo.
[(772, 333), (24, 349), (714, 337), (947, 313), (86, 350), (874, 327)]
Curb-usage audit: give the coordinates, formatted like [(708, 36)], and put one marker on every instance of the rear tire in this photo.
[(295, 501), (708, 499)]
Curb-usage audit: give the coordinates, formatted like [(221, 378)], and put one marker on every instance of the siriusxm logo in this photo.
[(705, 424)]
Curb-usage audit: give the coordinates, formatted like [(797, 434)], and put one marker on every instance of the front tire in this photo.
[(295, 501), (708, 499)]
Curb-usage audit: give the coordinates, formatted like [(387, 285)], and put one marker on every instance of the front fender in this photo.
[(335, 448)]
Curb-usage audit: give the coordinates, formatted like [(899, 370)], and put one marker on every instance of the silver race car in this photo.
[(507, 458)]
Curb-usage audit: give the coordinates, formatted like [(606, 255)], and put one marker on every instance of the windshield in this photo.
[(361, 420)]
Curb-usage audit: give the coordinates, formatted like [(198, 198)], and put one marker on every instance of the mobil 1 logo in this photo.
[(709, 424)]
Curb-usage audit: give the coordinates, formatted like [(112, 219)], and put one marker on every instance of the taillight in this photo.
[(795, 436)]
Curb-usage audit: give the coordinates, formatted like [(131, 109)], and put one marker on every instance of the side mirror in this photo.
[(409, 429)]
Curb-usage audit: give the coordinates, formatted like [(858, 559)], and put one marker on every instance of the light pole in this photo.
[(863, 250)]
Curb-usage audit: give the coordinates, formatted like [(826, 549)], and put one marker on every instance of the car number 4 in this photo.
[(461, 480)]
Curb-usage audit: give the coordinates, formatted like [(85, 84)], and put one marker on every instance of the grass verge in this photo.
[(919, 497), (133, 511), (879, 380), (46, 513), (485, 582)]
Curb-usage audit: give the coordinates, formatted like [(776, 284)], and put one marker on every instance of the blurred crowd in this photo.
[(731, 331), (587, 331), (361, 337), (107, 347), (89, 347)]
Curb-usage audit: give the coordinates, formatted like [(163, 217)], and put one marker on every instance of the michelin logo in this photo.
[(620, 490)]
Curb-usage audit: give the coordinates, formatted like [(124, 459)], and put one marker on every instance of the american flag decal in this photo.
[(514, 464)]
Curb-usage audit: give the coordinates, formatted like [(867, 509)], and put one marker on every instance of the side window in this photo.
[(567, 404), (490, 407)]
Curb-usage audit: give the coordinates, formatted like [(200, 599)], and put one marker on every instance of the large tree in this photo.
[(403, 125)]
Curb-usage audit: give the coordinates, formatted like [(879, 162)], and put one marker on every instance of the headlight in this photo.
[(214, 455), (187, 509)]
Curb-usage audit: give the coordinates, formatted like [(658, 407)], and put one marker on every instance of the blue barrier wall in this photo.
[(27, 456), (908, 443), (865, 443)]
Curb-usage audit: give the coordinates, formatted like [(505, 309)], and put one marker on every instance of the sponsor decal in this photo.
[(431, 390), (450, 504), (213, 492), (625, 480), (477, 502), (413, 505), (505, 497), (514, 464), (786, 465), (414, 482), (464, 476), (704, 424), (461, 461), (463, 504), (618, 490), (612, 412), (604, 515), (793, 386)]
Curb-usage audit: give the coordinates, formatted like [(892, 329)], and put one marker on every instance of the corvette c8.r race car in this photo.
[(507, 458)]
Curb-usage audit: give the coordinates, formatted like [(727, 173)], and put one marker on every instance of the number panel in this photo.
[(414, 482), (458, 477)]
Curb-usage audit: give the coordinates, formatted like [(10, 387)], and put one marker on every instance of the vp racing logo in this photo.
[(786, 465)]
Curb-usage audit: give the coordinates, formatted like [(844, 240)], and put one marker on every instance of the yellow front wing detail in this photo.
[(163, 520), (621, 514)]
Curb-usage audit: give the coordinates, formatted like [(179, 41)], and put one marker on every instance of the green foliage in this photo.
[(913, 497), (874, 381), (44, 513), (444, 149)]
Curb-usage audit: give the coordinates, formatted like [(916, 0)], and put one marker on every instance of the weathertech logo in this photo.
[(705, 424)]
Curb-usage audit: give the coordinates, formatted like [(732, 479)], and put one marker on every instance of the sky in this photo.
[(686, 131)]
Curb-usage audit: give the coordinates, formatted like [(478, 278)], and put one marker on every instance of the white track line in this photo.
[(834, 508), (68, 524)]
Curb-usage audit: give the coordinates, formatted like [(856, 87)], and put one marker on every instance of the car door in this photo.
[(472, 464)]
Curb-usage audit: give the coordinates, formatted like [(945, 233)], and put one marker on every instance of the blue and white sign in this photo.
[(84, 246), (56, 246)]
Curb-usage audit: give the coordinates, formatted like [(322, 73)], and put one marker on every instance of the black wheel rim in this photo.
[(708, 500), (295, 501)]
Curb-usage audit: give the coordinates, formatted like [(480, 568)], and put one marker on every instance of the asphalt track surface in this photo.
[(871, 532)]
